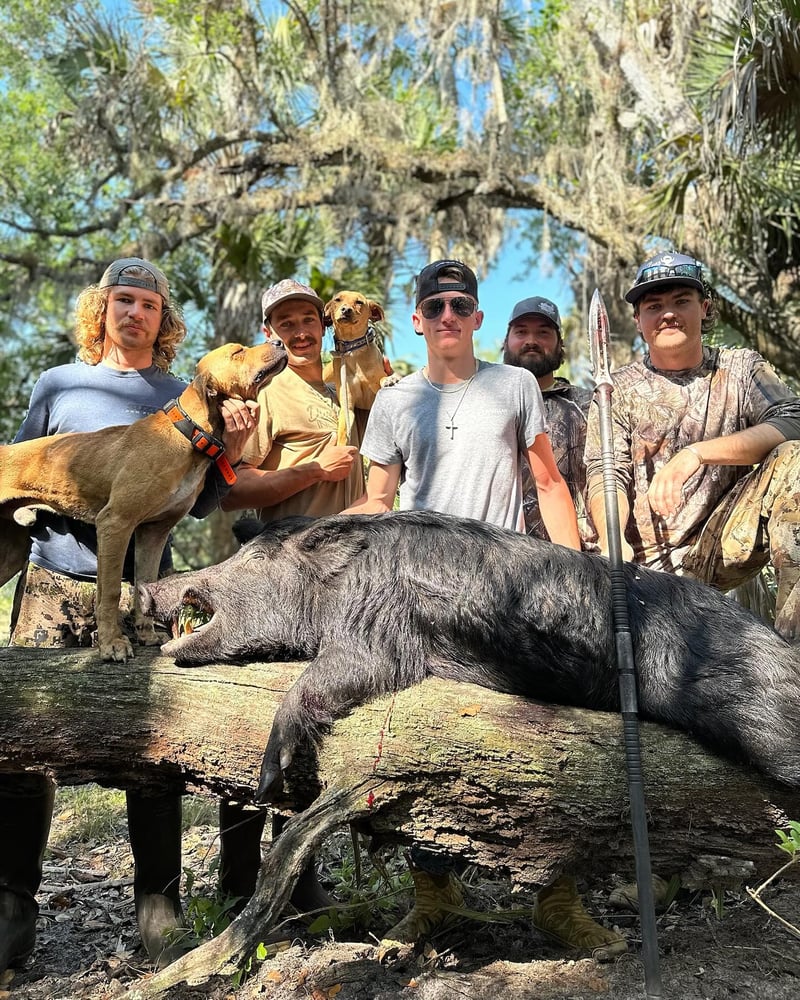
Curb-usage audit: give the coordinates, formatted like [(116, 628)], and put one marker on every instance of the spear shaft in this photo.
[(626, 667)]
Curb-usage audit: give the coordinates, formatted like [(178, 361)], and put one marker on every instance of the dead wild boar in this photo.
[(378, 602)]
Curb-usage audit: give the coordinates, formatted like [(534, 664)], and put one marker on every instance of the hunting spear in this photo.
[(626, 666)]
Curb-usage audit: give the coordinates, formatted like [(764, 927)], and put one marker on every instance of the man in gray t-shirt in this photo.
[(452, 436)]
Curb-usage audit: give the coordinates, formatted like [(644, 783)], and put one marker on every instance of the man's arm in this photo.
[(264, 487), (747, 447), (555, 501), (382, 484), (597, 512)]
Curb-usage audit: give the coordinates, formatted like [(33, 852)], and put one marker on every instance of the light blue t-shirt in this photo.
[(460, 450)]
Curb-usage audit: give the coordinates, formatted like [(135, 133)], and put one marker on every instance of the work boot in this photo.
[(17, 928), (26, 808), (433, 897), (626, 897), (559, 913), (154, 829), (308, 895), (240, 831)]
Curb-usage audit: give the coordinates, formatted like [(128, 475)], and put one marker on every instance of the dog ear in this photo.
[(327, 318), (205, 384), (376, 312)]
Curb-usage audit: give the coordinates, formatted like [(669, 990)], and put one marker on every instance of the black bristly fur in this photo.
[(377, 603)]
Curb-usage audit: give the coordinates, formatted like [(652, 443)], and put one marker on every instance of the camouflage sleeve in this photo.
[(770, 400)]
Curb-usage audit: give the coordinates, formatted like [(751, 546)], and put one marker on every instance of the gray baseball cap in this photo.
[(136, 272), (537, 306)]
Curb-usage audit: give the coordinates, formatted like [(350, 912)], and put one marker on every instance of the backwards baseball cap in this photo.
[(446, 276), (668, 268), (537, 306), (288, 289), (147, 275)]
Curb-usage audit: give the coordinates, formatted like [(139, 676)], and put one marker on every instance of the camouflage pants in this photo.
[(756, 523), (55, 611)]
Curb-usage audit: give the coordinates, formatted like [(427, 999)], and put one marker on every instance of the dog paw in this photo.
[(388, 380), (118, 650)]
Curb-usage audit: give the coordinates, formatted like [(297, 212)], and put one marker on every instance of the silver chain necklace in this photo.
[(461, 387)]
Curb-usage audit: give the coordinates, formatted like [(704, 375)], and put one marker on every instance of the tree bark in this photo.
[(499, 781), (523, 788)]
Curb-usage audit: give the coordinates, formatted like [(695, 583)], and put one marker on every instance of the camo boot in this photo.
[(154, 828), (559, 913), (26, 808), (434, 898)]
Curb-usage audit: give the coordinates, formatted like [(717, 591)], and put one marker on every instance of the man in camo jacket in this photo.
[(706, 447)]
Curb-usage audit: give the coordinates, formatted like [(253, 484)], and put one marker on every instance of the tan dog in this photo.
[(357, 362), (141, 478)]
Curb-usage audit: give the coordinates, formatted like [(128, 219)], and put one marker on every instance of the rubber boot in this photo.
[(559, 913), (240, 831), (154, 828), (308, 896), (434, 895), (26, 809)]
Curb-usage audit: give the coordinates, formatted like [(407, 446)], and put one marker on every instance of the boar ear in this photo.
[(333, 545), (246, 528)]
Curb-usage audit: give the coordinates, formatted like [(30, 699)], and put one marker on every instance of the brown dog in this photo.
[(356, 367), (141, 478)]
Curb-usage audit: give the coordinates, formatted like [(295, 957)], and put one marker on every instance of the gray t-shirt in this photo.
[(81, 397), (460, 450)]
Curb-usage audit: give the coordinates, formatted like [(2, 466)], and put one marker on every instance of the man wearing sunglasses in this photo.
[(452, 435), (705, 447)]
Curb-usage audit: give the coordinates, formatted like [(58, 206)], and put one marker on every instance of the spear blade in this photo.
[(599, 340)]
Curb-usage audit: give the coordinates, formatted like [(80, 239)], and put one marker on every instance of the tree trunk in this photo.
[(515, 786)]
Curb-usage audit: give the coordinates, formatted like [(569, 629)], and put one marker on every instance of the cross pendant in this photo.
[(452, 428)]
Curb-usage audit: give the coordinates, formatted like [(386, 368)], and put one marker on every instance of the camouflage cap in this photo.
[(285, 290)]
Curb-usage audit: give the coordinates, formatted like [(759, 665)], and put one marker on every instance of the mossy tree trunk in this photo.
[(519, 787)]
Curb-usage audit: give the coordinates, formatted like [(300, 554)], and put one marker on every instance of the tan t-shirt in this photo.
[(297, 421)]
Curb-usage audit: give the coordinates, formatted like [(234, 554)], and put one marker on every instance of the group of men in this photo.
[(706, 459)]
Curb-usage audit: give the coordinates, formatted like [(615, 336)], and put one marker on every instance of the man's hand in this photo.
[(241, 419), (665, 494), (366, 506), (336, 461)]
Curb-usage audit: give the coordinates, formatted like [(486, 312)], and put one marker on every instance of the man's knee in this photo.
[(785, 460)]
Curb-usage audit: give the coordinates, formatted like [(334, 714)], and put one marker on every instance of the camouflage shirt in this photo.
[(566, 407), (655, 414)]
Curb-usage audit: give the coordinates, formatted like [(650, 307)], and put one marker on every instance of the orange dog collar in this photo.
[(201, 440)]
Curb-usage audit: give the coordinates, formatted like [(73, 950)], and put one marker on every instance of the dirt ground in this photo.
[(88, 945)]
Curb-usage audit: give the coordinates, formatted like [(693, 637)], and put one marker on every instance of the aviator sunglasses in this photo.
[(460, 305)]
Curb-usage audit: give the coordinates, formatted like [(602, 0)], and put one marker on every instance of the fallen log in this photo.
[(524, 789)]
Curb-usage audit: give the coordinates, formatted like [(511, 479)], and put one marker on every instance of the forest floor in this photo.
[(88, 945)]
